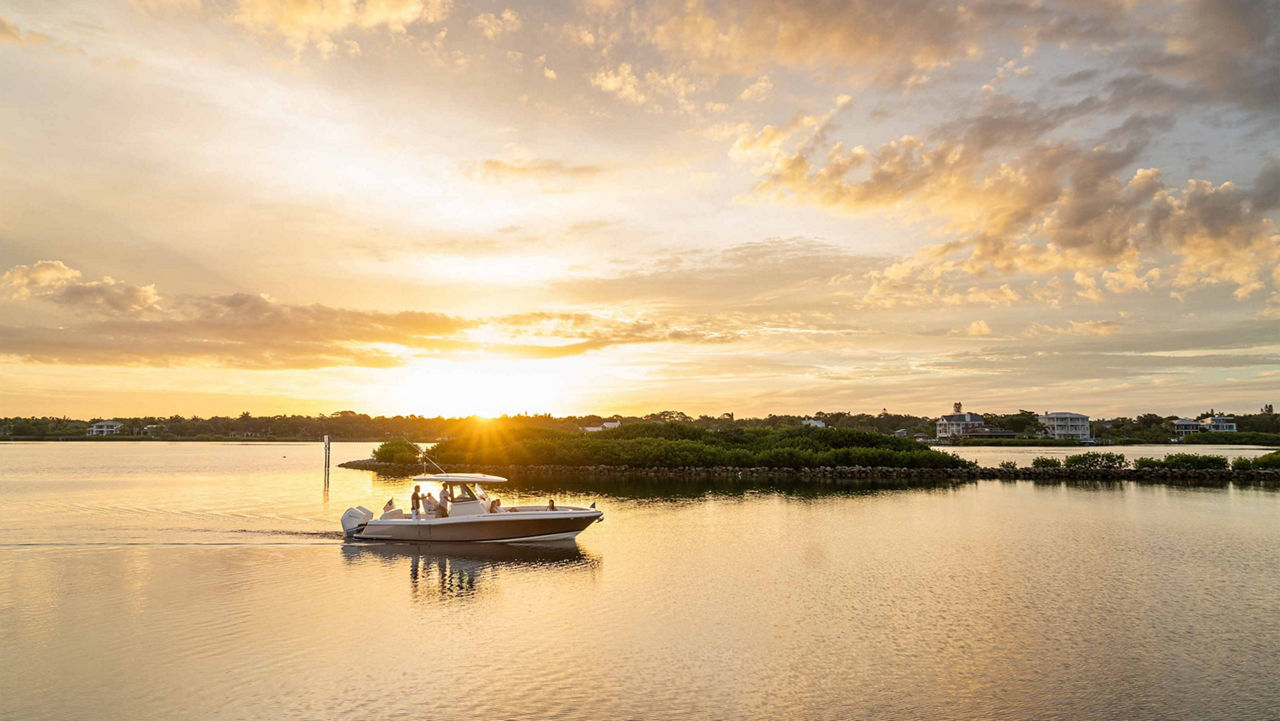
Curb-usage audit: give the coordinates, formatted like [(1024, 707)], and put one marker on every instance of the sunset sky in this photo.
[(443, 207)]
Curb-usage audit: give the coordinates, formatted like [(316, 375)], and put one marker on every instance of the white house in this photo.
[(956, 424), (813, 423), (1061, 425), (105, 428), (1185, 426), (1219, 424), (602, 427)]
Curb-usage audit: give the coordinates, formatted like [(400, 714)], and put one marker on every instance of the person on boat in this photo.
[(496, 506), (441, 510), (416, 501), (551, 504)]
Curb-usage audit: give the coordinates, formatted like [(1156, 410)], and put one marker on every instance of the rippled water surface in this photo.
[(193, 581)]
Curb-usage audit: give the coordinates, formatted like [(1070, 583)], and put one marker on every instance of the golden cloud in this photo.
[(55, 281), (252, 331), (9, 33), (493, 25), (1049, 208), (494, 170), (901, 42), (303, 23)]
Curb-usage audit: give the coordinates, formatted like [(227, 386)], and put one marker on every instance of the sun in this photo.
[(487, 387)]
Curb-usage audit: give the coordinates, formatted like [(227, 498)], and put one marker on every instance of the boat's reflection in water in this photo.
[(455, 569)]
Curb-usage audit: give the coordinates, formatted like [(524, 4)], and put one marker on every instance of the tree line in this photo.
[(353, 426)]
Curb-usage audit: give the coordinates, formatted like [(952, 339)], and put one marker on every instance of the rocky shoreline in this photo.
[(846, 476)]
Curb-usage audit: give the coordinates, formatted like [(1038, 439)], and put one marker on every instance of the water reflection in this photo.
[(188, 581), (454, 570)]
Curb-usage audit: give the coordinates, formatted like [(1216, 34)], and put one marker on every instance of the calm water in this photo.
[(194, 581)]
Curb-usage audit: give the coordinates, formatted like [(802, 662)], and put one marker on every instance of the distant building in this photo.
[(955, 424), (902, 433), (1219, 424), (1061, 425), (152, 429), (1185, 426), (105, 428), (813, 423), (602, 427)]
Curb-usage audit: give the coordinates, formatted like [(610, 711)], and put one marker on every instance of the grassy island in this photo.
[(673, 445)]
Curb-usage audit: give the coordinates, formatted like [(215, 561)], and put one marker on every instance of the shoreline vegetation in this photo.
[(1253, 429), (799, 456), (647, 445), (605, 478)]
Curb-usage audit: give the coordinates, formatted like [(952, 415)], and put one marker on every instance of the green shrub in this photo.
[(397, 451), (1096, 461), (1045, 462), (1196, 462), (1008, 465), (1184, 461), (1248, 438), (1271, 461), (669, 445)]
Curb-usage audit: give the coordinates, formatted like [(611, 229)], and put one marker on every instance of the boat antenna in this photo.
[(426, 459)]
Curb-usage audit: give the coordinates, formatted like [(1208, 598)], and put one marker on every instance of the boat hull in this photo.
[(487, 528)]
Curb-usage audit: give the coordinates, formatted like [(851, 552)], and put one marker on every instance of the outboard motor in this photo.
[(355, 519)]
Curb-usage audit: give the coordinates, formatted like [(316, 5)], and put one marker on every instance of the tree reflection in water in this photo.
[(458, 567)]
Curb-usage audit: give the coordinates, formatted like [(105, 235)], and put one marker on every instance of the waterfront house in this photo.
[(1219, 424), (1185, 426), (602, 427), (105, 428), (813, 423), (1061, 425), (902, 433), (955, 424)]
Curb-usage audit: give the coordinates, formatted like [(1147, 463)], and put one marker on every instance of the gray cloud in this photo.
[(1218, 51)]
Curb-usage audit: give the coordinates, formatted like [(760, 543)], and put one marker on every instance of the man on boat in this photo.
[(416, 501)]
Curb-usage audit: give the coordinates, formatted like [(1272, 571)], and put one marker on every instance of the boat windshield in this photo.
[(460, 492)]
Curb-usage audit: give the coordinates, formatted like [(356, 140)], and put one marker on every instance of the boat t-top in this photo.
[(468, 514)]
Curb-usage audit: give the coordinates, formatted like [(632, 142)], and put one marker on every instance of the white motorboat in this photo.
[(470, 516)]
